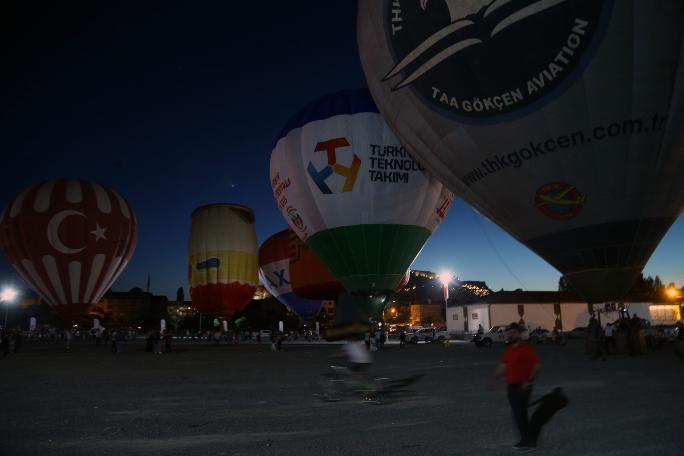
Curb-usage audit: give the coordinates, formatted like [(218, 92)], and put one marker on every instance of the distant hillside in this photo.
[(424, 287)]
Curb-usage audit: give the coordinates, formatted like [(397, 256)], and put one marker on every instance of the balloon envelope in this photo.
[(275, 274), (561, 121), (347, 187), (69, 240), (311, 278), (222, 257)]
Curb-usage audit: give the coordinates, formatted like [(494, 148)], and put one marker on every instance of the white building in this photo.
[(550, 308)]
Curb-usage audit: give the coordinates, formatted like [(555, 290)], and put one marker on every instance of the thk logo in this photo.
[(350, 173)]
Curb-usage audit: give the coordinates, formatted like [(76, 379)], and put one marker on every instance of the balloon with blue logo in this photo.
[(222, 258), (348, 188), (562, 121), (274, 273)]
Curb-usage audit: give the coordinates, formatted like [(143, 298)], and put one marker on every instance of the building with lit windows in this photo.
[(554, 309)]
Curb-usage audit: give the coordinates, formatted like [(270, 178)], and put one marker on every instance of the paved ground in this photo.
[(246, 400)]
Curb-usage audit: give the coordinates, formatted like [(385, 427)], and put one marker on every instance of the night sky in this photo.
[(176, 105)]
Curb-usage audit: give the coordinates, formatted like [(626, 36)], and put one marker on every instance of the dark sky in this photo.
[(177, 104)]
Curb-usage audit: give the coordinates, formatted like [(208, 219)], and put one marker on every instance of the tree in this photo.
[(658, 284), (175, 317), (647, 285)]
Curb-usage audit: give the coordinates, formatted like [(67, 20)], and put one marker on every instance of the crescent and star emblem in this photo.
[(53, 232)]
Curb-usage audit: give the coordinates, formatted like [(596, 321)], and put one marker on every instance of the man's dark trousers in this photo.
[(519, 398)]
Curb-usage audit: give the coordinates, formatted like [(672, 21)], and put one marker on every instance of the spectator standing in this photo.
[(597, 331), (609, 338), (18, 339), (374, 342), (402, 339), (119, 340), (115, 337), (149, 342), (167, 341), (5, 342), (519, 365), (156, 340)]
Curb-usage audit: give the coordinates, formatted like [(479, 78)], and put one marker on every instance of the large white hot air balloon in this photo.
[(349, 189), (560, 120)]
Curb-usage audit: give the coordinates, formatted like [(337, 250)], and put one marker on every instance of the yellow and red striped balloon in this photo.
[(222, 258)]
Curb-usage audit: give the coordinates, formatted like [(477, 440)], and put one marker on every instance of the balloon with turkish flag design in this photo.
[(69, 240)]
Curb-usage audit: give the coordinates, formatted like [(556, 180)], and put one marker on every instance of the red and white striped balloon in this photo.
[(70, 240)]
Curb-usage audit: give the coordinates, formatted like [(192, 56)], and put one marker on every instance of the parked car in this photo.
[(577, 333), (540, 336), (419, 335), (265, 334), (427, 335), (497, 334)]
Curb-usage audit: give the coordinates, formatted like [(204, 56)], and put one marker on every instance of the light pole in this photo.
[(673, 294), (7, 296), (445, 277)]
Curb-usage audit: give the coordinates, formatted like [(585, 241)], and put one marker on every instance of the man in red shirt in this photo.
[(520, 365)]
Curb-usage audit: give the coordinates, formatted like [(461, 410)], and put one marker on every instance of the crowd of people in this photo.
[(10, 341), (156, 341), (631, 335)]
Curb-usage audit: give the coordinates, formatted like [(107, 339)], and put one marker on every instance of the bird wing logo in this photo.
[(333, 166), (559, 200), (480, 58)]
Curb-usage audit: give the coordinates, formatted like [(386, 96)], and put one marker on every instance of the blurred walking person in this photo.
[(519, 365), (402, 339), (68, 335)]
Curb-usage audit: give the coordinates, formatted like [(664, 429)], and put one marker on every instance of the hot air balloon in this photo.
[(347, 188), (311, 278), (559, 120), (222, 257), (275, 275), (404, 280), (69, 240)]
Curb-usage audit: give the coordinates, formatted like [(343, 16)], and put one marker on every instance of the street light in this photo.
[(445, 277), (7, 296), (672, 292)]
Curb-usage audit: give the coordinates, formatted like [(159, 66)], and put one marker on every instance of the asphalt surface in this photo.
[(247, 400)]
